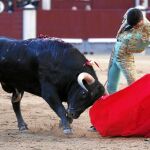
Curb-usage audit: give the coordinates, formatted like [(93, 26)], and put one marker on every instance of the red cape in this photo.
[(124, 113)]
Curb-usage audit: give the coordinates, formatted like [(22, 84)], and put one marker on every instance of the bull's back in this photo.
[(24, 62)]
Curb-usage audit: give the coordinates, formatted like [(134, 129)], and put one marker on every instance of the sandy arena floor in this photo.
[(44, 134)]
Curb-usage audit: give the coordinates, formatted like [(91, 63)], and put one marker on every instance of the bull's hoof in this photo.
[(23, 128), (67, 131)]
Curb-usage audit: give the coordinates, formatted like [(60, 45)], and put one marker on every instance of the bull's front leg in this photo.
[(51, 97), (16, 99), (68, 118)]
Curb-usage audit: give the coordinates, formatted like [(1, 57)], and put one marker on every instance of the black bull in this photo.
[(51, 69)]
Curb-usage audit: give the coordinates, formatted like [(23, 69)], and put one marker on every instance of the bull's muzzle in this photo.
[(72, 113)]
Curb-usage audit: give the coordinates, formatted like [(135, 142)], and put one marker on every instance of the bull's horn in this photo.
[(87, 77)]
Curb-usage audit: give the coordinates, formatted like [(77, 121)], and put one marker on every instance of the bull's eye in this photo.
[(92, 94), (84, 94)]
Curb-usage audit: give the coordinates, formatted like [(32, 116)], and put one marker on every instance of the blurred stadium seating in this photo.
[(90, 22)]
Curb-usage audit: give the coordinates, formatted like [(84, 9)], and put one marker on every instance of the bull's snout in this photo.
[(72, 113)]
